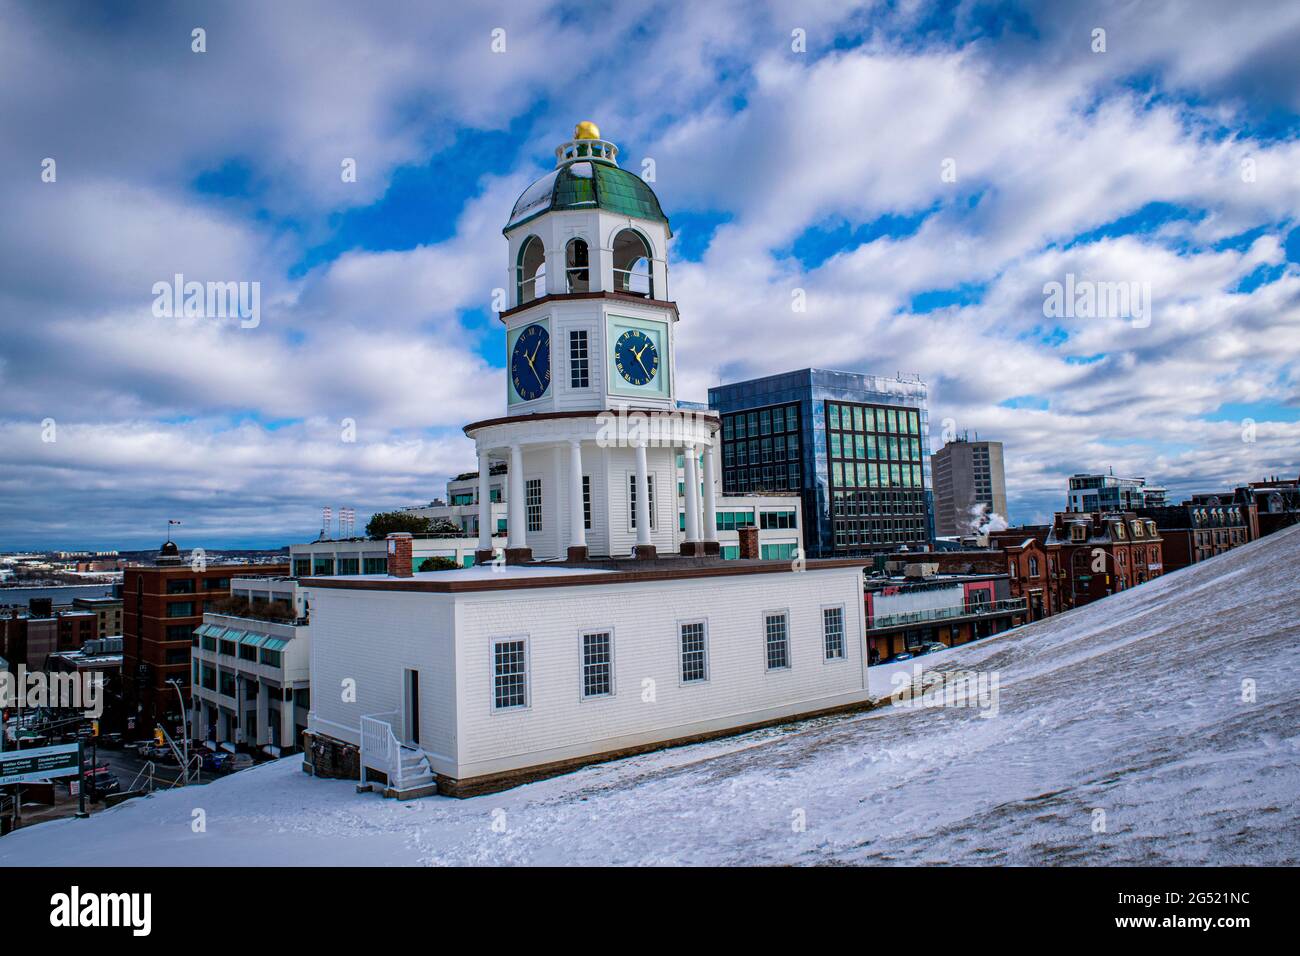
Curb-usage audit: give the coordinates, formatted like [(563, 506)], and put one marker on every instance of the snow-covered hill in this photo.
[(1132, 706)]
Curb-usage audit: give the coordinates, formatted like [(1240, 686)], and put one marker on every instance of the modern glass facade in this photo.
[(878, 498)]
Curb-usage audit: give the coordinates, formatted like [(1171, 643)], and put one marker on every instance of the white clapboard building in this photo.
[(607, 625)]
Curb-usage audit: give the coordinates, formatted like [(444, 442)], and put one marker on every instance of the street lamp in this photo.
[(185, 724)]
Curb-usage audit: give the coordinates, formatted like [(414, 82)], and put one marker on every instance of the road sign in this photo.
[(39, 763)]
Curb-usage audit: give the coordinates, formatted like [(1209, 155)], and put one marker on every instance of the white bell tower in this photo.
[(589, 335), (587, 287)]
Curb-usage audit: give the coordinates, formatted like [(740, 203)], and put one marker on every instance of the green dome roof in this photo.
[(588, 184)]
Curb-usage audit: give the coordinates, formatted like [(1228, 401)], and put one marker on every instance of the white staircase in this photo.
[(415, 770), (406, 769)]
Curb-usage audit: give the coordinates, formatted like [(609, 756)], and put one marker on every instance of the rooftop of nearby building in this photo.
[(488, 577)]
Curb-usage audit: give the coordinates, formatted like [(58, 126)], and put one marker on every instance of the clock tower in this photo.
[(589, 335), (589, 323)]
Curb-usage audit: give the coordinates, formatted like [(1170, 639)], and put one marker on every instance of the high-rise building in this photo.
[(970, 486), (855, 447)]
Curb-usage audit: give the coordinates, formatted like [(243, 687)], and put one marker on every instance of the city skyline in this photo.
[(878, 191)]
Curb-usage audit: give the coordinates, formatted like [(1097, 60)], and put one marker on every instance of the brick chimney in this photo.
[(399, 554), (748, 541)]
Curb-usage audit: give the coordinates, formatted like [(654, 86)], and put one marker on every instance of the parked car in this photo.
[(100, 782), (110, 741), (931, 647), (900, 656), (239, 762), (215, 761)]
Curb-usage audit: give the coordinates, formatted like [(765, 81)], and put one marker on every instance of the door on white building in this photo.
[(411, 707)]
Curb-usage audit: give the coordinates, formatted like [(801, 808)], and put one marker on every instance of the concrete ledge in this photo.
[(505, 780)]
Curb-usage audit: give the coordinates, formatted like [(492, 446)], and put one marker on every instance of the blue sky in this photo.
[(920, 170)]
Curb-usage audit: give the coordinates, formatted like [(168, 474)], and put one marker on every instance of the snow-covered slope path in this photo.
[(1133, 706)]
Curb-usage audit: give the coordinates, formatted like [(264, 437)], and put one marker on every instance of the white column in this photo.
[(241, 709), (484, 502), (263, 714), (642, 497), (286, 721), (577, 526), (515, 501), (710, 493), (691, 491)]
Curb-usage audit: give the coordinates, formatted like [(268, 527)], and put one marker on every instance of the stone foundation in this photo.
[(327, 757)]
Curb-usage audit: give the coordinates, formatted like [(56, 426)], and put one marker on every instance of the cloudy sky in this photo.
[(920, 170)]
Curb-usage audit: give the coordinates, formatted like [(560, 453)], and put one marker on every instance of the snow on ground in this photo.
[(1132, 706)]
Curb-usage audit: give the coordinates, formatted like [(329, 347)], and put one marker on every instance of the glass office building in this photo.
[(855, 447)]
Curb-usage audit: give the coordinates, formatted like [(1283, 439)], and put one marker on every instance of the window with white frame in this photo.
[(509, 674), (695, 652), (533, 502), (833, 632), (778, 641), (597, 664), (586, 502), (579, 365), (631, 499)]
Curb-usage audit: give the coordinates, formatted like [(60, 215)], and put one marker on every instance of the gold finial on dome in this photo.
[(586, 130)]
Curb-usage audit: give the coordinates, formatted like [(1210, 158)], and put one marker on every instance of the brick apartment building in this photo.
[(1031, 570), (1200, 528), (1102, 553), (28, 636), (107, 609), (1274, 503), (162, 605)]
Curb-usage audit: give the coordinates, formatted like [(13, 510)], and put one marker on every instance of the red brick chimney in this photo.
[(748, 542), (399, 554)]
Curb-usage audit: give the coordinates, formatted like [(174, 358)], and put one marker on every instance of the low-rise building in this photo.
[(1109, 492), (483, 678), (1103, 553), (251, 668), (162, 606), (108, 611), (1274, 503), (912, 602), (1199, 528), (1029, 571)]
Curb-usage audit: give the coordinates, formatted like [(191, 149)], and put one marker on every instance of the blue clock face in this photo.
[(636, 357), (530, 363)]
